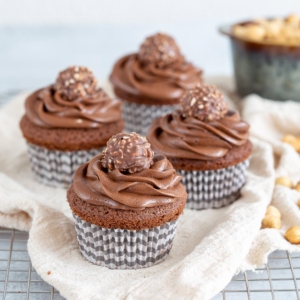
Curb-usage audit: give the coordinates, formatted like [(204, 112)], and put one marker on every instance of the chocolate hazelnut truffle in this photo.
[(127, 152), (76, 82), (205, 102), (159, 49)]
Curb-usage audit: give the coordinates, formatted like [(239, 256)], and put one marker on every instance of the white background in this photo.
[(39, 12), (40, 37)]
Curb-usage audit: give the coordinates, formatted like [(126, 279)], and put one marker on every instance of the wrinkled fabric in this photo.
[(210, 246)]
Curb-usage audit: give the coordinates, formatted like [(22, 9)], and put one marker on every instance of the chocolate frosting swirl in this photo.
[(190, 138), (158, 185), (47, 108), (147, 80)]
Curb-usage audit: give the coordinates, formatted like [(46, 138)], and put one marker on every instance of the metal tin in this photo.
[(271, 71)]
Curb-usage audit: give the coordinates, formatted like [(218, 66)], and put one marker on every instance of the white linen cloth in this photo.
[(210, 246)]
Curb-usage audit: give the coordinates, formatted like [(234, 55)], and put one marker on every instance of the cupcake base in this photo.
[(216, 188), (138, 117), (122, 248), (56, 168)]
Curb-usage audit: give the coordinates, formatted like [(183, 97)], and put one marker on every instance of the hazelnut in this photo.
[(273, 29), (273, 211), (284, 181), (293, 20), (298, 203), (270, 221), (255, 32), (297, 187), (280, 31), (293, 141), (240, 31), (293, 235)]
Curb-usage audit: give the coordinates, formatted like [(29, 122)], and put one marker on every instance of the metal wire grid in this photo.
[(18, 279), (278, 280)]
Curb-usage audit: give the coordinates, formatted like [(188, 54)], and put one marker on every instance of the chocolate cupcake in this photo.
[(126, 203), (151, 82), (68, 123), (207, 144)]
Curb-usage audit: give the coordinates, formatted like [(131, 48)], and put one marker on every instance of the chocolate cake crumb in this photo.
[(69, 139)]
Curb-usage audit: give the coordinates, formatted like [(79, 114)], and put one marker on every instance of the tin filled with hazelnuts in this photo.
[(266, 57)]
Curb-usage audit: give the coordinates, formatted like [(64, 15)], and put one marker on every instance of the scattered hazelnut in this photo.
[(273, 211), (270, 221), (293, 235), (293, 141), (284, 181), (298, 203), (272, 218), (297, 187)]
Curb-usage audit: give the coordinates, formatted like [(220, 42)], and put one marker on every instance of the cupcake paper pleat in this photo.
[(56, 168), (138, 117), (122, 248), (216, 188)]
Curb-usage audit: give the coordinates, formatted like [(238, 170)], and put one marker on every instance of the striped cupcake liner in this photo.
[(138, 117), (122, 248), (56, 168), (214, 189)]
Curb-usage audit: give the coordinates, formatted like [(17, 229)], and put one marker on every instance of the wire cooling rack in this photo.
[(18, 279), (278, 280)]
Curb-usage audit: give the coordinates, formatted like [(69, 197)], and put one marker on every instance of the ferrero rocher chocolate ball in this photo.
[(205, 102), (159, 49), (127, 152), (76, 82)]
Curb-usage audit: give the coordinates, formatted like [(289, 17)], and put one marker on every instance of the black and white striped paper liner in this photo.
[(56, 168), (138, 117), (122, 248), (214, 189)]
